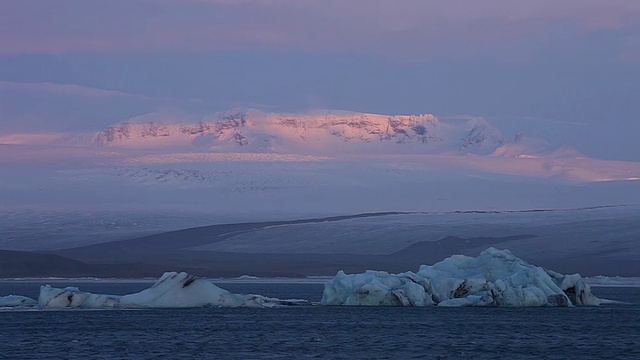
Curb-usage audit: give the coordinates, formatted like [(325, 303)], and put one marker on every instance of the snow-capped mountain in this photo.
[(327, 131), (309, 141), (482, 136), (324, 132)]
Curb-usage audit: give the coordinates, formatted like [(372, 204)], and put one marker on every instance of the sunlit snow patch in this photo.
[(172, 290), (495, 278)]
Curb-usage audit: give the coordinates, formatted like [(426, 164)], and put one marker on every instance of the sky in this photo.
[(574, 65)]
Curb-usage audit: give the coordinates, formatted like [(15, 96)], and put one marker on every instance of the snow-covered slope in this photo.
[(482, 137), (605, 236)]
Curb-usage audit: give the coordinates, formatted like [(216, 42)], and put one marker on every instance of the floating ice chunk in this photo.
[(72, 297), (375, 288), (16, 301), (172, 290), (578, 290), (495, 278), (247, 277), (178, 290)]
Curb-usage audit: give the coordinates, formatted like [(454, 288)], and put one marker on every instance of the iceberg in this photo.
[(495, 278), (377, 288), (172, 290), (17, 301)]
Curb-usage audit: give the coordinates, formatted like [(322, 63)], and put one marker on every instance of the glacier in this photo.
[(495, 278), (172, 290)]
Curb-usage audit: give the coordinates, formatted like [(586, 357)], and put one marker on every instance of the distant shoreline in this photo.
[(596, 281), (265, 280)]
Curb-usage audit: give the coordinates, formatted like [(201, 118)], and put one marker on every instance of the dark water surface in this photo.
[(608, 331)]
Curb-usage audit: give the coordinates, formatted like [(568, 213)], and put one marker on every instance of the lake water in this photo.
[(317, 332)]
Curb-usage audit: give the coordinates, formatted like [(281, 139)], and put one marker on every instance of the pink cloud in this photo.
[(66, 89), (420, 28), (82, 91)]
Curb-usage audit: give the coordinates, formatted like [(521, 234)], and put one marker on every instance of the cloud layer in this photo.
[(67, 64), (420, 28)]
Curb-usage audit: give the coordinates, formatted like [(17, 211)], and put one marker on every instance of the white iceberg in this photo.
[(17, 301), (172, 290), (495, 278)]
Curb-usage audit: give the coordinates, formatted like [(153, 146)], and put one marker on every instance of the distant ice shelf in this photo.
[(613, 281), (495, 278)]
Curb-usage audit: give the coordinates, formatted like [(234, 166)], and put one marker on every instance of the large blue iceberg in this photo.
[(495, 278)]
